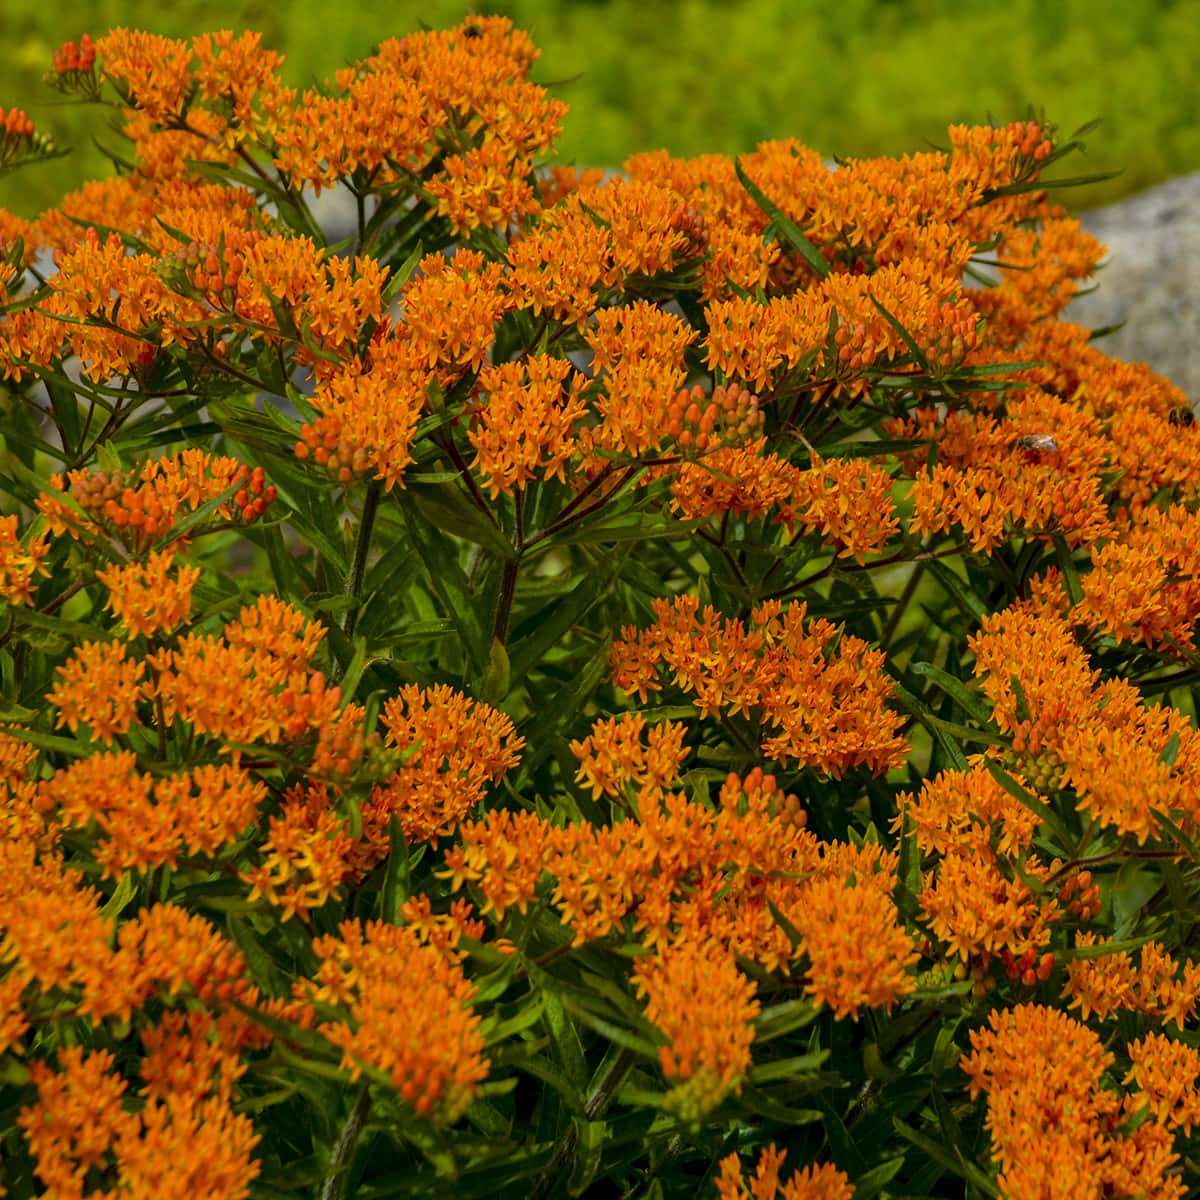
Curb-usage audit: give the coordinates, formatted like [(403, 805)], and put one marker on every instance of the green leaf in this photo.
[(589, 1149), (397, 883), (565, 1037), (787, 1068), (789, 230), (958, 589), (1039, 807), (961, 1167), (1070, 571), (872, 1182), (452, 512), (782, 1019), (497, 675), (969, 701), (449, 582), (903, 334), (126, 890), (552, 623)]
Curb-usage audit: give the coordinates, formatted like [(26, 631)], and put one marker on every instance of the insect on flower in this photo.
[(1037, 443)]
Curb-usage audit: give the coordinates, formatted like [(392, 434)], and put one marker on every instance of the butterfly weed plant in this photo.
[(676, 683)]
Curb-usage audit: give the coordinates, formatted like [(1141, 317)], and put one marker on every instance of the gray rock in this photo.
[(1150, 280)]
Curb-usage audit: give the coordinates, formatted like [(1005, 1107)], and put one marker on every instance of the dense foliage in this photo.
[(585, 685)]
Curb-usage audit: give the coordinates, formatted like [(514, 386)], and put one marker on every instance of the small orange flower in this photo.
[(613, 754), (821, 1181), (706, 1008), (1166, 1073), (99, 687), (456, 747), (1158, 986), (306, 855), (150, 597), (410, 1016), (526, 426), (20, 561), (829, 709)]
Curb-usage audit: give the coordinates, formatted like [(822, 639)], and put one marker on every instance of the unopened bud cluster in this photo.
[(324, 441), (18, 138), (142, 509), (1030, 969), (759, 791), (729, 417), (75, 68), (1033, 144), (213, 269), (1081, 896), (949, 336), (1042, 771), (857, 346)]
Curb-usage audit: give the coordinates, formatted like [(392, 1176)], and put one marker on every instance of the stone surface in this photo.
[(1150, 280)]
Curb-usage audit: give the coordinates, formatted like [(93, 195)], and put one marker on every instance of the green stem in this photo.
[(593, 1108), (333, 1187), (358, 568), (893, 623)]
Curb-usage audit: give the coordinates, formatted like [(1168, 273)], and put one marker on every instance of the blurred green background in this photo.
[(856, 77)]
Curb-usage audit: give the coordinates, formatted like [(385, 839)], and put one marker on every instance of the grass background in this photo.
[(855, 77)]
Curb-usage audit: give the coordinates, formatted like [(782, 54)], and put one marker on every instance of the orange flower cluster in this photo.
[(527, 426), (639, 349), (410, 1017), (451, 747), (251, 683), (978, 901), (150, 597), (99, 687), (828, 705), (80, 1126), (1159, 986), (613, 756), (684, 872), (51, 929), (465, 90), (1053, 1126), (1039, 470), (144, 507), (1144, 585), (1103, 742), (705, 1007), (145, 822), (20, 561), (1166, 1073), (306, 854), (817, 1182)]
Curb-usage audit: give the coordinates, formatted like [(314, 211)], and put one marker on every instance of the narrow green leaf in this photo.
[(565, 1037), (787, 228), (589, 1151), (397, 884), (970, 702), (1039, 807), (126, 890), (961, 1167), (958, 589), (449, 582), (787, 1068), (906, 337), (1066, 564)]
